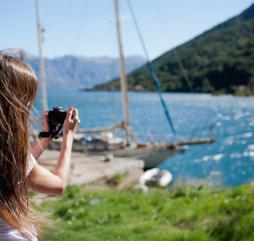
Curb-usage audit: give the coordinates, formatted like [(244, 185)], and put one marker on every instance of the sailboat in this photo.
[(101, 140)]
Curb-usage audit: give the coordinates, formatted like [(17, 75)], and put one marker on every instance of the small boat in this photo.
[(155, 178)]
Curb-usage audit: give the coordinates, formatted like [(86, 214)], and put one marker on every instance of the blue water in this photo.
[(229, 161)]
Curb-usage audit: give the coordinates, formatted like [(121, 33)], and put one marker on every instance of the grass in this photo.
[(178, 214)]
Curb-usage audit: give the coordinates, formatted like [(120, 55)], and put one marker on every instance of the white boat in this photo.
[(155, 178)]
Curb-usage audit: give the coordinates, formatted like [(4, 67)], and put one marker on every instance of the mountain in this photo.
[(76, 72), (219, 60)]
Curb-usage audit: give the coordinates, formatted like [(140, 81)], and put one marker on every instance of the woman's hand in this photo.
[(71, 121), (45, 126)]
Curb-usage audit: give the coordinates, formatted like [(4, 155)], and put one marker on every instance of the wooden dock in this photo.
[(98, 170)]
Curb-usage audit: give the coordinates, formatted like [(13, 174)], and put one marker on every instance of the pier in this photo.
[(97, 170)]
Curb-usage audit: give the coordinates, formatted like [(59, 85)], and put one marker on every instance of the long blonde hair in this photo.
[(18, 87)]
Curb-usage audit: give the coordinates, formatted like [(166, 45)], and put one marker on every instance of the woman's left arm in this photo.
[(43, 143), (40, 146), (41, 179)]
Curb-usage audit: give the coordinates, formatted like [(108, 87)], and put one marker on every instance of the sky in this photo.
[(87, 27)]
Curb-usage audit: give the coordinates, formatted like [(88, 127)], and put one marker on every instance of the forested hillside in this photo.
[(220, 60)]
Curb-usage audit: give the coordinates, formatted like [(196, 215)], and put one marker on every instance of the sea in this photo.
[(229, 119)]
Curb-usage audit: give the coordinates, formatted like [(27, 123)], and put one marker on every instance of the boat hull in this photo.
[(153, 154)]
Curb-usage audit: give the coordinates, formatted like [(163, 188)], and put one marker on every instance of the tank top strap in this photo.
[(30, 163)]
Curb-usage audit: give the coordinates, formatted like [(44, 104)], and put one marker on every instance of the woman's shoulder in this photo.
[(11, 234)]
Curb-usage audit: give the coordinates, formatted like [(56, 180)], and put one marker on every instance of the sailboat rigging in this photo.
[(152, 69), (123, 78), (42, 72)]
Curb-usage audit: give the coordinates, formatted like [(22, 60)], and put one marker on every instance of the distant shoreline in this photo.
[(169, 92)]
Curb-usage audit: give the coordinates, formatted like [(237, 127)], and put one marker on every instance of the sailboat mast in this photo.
[(123, 78), (42, 74)]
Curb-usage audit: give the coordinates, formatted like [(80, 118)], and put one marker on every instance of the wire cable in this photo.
[(151, 68)]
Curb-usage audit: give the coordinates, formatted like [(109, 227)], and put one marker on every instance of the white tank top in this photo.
[(7, 233)]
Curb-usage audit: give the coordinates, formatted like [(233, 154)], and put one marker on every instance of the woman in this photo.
[(18, 168)]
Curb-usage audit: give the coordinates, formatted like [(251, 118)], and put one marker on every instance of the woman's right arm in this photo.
[(44, 181)]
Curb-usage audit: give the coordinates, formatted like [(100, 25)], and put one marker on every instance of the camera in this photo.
[(55, 120)]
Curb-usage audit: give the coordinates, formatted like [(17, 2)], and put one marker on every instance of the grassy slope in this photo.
[(191, 214)]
